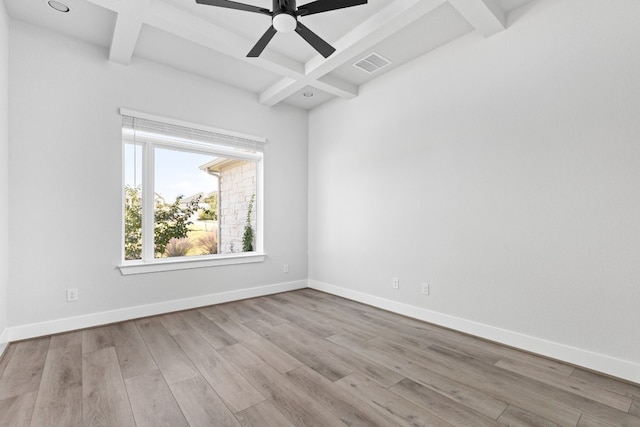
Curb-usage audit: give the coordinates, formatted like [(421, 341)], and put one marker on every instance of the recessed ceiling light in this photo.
[(59, 6), (308, 94)]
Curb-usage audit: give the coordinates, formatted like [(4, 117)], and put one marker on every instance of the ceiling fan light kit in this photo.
[(284, 23), (284, 18)]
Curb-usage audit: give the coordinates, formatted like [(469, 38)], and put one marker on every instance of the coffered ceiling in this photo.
[(212, 42)]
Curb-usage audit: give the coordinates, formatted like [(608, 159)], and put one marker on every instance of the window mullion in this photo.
[(148, 199)]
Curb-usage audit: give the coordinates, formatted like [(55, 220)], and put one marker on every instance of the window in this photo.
[(192, 195)]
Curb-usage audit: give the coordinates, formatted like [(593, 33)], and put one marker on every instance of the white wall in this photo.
[(65, 172), (503, 171), (4, 174)]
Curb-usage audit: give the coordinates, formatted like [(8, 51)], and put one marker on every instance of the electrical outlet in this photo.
[(395, 282), (425, 289), (285, 268), (72, 295)]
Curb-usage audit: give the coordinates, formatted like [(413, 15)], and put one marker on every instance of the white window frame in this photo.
[(221, 147)]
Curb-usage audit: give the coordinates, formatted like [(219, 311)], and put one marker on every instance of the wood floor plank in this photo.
[(552, 367), (289, 313), (608, 383), (445, 408), (346, 322), (60, 393), (104, 396), (239, 312), (382, 375), (211, 332), (318, 295), (258, 313), (588, 421), (5, 357), (24, 369), (390, 404), (455, 390), (508, 385), (267, 351), (66, 340), (237, 330), (348, 408), (133, 354), (486, 350), (318, 308), (16, 411), (174, 323), (516, 417), (263, 414), (398, 327), (413, 334), (308, 310), (512, 389), (232, 387), (265, 315), (635, 408), (318, 323), (356, 321), (572, 385), (323, 302), (276, 297), (201, 405), (325, 364), (152, 403), (96, 339), (299, 408), (172, 361)]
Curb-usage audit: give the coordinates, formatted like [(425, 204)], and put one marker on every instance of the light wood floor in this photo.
[(301, 358)]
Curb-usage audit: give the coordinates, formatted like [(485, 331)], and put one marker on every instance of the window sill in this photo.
[(186, 263)]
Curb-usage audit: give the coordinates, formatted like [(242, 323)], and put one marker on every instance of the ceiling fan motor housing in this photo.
[(284, 15)]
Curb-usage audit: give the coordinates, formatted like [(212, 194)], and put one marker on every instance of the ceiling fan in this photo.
[(284, 18)]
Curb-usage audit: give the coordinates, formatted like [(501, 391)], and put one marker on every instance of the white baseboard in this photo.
[(103, 318), (598, 362)]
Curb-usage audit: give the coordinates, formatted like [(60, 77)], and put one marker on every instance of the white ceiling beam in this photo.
[(113, 5), (374, 30), (388, 21), (280, 91), (335, 86), (486, 16), (287, 87), (173, 20), (182, 24), (125, 35)]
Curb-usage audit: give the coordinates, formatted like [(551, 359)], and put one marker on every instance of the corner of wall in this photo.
[(4, 174)]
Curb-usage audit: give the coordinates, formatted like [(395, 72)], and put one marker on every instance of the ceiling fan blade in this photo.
[(235, 5), (324, 48), (326, 5), (262, 43)]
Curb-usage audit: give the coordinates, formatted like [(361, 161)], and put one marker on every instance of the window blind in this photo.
[(142, 127)]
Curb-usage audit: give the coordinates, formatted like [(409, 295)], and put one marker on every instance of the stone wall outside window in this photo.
[(237, 187)]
